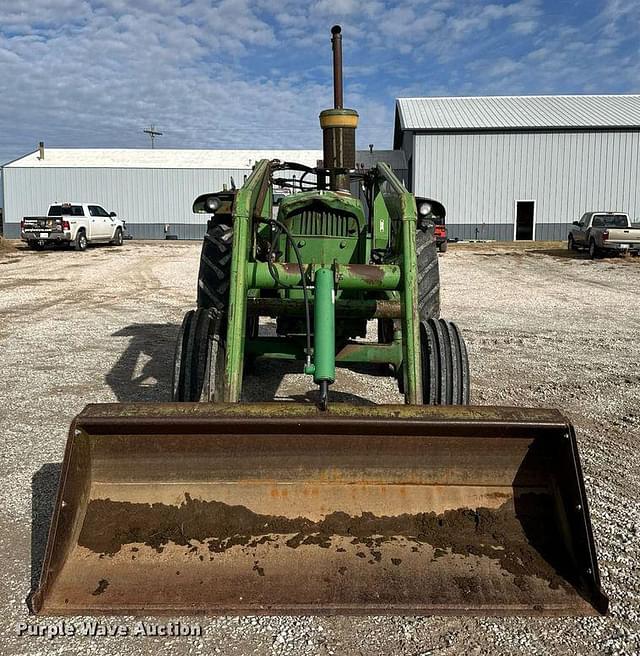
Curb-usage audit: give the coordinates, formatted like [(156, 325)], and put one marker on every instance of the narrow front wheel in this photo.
[(198, 366), (445, 364)]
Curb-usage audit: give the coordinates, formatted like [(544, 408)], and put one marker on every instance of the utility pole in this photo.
[(153, 133)]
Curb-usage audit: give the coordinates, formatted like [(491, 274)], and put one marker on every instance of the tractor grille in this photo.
[(323, 223)]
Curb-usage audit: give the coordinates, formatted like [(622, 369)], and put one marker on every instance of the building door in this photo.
[(525, 227)]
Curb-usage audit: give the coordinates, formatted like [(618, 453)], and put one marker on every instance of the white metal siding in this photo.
[(137, 195), (148, 198), (479, 176)]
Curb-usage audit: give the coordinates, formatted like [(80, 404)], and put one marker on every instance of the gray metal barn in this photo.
[(153, 190), (524, 167)]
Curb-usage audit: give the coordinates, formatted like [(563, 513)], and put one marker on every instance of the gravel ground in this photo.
[(543, 329)]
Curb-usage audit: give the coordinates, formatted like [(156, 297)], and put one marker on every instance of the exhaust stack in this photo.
[(338, 125)]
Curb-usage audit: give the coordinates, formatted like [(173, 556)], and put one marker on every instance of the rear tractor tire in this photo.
[(215, 266), (198, 366), (445, 364), (428, 274), (214, 276)]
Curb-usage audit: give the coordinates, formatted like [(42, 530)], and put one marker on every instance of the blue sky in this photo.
[(235, 73)]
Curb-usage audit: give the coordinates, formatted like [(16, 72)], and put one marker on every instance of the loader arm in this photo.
[(401, 206), (252, 202)]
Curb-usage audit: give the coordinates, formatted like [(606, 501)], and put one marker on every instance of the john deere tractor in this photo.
[(211, 505), (322, 264)]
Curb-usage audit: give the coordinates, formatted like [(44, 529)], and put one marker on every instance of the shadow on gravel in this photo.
[(263, 379), (143, 371), (565, 254), (44, 487), (313, 396)]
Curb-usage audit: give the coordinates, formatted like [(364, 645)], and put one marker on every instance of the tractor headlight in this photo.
[(212, 204), (424, 209)]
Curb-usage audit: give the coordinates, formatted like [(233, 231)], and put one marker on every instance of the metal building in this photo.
[(522, 167), (153, 190)]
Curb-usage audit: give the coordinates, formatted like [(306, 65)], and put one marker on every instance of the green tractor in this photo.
[(322, 262), (210, 505)]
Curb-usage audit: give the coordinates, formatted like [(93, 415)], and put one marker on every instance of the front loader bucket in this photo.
[(245, 509)]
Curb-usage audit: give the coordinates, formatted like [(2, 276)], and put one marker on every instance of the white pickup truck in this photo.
[(73, 224), (604, 232)]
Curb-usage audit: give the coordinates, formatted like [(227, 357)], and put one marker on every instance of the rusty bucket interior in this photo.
[(276, 508)]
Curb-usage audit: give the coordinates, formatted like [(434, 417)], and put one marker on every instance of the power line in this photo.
[(153, 133)]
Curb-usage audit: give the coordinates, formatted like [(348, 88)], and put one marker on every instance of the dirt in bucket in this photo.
[(521, 537)]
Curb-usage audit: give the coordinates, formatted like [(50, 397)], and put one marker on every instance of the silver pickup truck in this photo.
[(604, 232)]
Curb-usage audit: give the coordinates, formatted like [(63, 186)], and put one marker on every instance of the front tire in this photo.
[(198, 366), (571, 244), (118, 238), (445, 364), (80, 243), (443, 247)]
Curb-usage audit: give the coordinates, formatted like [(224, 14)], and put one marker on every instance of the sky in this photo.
[(243, 74)]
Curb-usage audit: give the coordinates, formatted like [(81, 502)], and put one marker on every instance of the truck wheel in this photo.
[(443, 247), (118, 239), (215, 266), (445, 364), (198, 366), (571, 244), (593, 250), (80, 243), (428, 274)]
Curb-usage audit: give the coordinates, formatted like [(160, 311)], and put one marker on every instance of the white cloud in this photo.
[(241, 73)]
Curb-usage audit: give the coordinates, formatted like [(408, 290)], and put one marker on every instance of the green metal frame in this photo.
[(339, 290), (402, 208), (244, 211)]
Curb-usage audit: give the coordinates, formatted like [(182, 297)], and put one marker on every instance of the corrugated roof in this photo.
[(519, 112), (159, 158), (186, 159)]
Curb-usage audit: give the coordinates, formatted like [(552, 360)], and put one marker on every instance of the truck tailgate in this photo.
[(624, 235)]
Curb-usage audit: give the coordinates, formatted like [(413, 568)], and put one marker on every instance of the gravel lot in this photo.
[(543, 329)]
